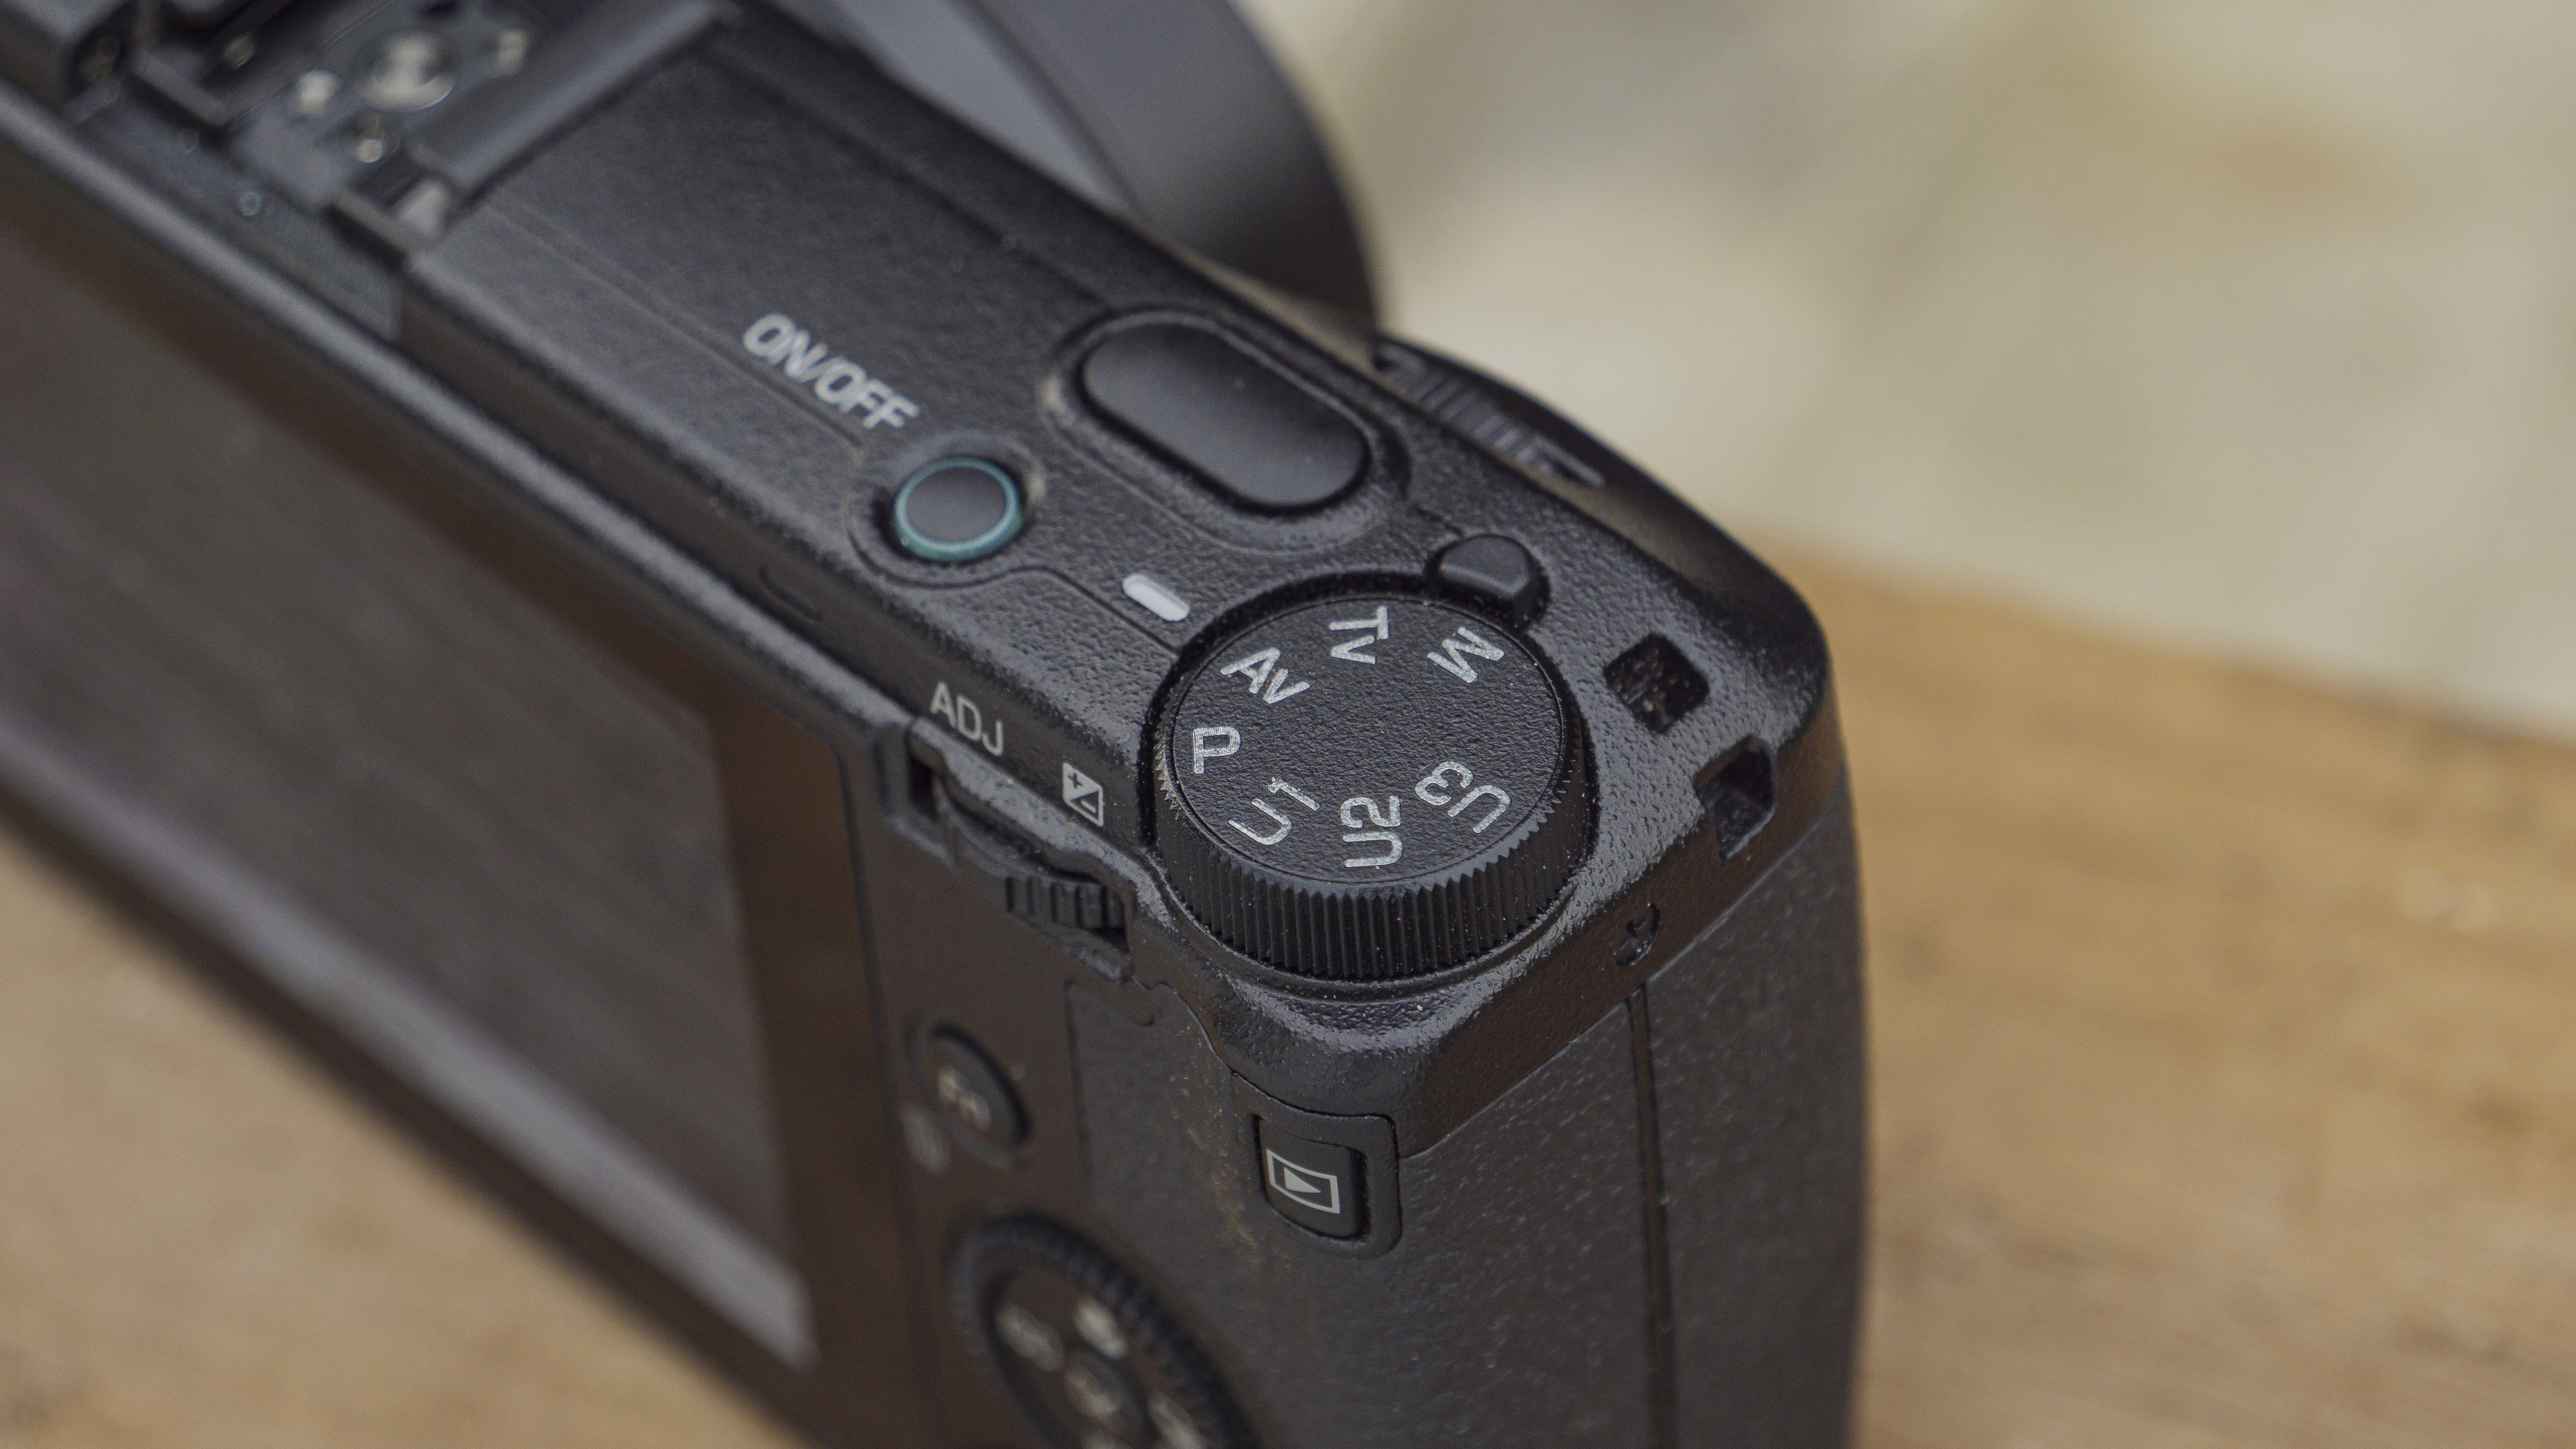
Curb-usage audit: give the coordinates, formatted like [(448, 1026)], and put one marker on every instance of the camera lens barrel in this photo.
[(1370, 788)]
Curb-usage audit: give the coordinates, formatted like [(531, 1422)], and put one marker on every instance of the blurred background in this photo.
[(2242, 325), (2162, 402)]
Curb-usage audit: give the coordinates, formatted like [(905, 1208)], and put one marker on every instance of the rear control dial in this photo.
[(1087, 1354), (1371, 788)]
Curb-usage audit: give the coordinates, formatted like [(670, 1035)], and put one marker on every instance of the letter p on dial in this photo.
[(1210, 743)]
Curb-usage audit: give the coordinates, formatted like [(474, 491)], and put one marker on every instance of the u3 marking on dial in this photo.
[(1366, 820), (1449, 776)]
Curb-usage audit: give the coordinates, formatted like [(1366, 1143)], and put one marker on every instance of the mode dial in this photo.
[(1370, 788)]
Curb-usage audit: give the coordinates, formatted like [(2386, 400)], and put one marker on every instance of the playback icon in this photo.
[(1315, 1185)]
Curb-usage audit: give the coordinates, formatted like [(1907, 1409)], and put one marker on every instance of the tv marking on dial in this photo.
[(1351, 649)]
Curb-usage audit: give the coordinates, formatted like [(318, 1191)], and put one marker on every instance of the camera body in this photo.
[(1029, 843)]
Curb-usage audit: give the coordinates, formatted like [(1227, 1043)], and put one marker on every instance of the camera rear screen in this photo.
[(435, 788)]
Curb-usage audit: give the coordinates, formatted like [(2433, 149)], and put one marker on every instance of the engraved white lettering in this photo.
[(836, 382), (839, 382), (1265, 677), (1385, 820), (1460, 644), (1282, 787), (1256, 837), (768, 336), (1211, 743), (1376, 629), (1448, 775), (1441, 776), (1502, 802), (967, 718), (803, 357)]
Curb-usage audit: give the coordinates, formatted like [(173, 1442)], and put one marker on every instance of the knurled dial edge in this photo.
[(1370, 788)]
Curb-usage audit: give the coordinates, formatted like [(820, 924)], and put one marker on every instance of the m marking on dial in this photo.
[(1455, 649)]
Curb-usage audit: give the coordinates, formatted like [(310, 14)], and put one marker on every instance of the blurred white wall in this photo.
[(2249, 324)]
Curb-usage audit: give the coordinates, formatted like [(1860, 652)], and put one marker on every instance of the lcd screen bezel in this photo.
[(797, 877)]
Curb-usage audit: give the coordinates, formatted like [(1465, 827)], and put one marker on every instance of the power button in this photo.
[(957, 510)]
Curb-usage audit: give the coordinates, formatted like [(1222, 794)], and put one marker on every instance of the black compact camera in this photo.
[(827, 648)]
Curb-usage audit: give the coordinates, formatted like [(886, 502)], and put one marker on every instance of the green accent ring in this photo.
[(982, 545)]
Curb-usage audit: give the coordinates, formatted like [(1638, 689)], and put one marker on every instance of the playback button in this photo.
[(1315, 1185)]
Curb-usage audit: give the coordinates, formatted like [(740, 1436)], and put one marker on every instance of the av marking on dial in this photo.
[(1423, 798), (1264, 677)]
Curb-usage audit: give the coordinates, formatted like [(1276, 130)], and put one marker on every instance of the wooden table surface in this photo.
[(2225, 1078)]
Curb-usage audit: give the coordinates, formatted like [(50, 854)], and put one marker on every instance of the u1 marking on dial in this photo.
[(1449, 787)]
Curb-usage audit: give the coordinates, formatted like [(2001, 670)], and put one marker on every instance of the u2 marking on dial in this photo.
[(1366, 819), (1360, 812)]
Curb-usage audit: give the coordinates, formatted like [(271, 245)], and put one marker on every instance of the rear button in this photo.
[(1496, 569), (1253, 435), (1315, 1185), (972, 1093)]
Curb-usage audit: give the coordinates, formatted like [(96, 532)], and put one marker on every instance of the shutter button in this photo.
[(1234, 419)]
